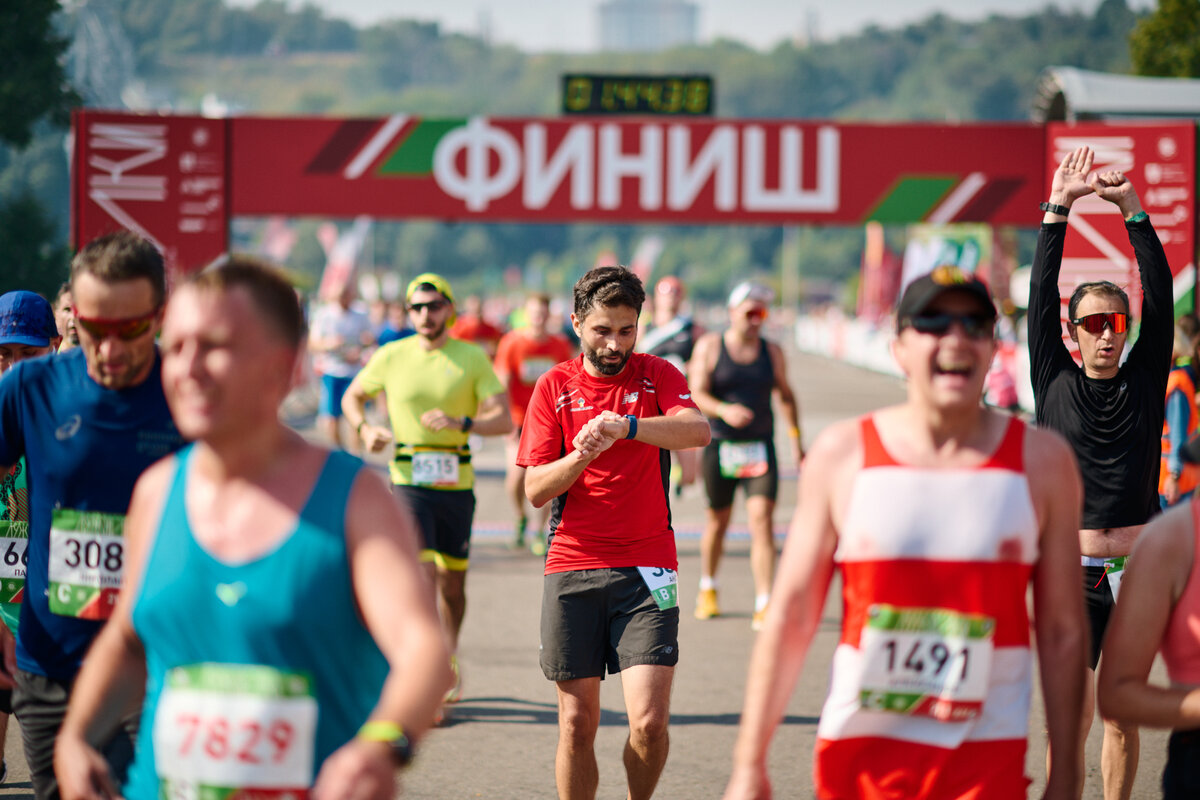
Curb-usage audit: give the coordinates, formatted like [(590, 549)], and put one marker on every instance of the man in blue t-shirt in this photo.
[(87, 422)]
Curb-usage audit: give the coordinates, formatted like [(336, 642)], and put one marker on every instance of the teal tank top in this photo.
[(257, 672)]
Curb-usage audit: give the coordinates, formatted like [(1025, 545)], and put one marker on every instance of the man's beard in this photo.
[(602, 367)]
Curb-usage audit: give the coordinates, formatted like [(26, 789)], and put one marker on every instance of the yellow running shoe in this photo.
[(756, 621), (706, 604)]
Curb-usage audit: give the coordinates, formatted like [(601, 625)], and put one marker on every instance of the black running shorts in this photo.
[(597, 618)]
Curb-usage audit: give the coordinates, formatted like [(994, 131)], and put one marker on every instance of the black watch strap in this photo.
[(1054, 208)]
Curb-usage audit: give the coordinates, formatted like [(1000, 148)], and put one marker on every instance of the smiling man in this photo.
[(88, 422), (596, 442), (1111, 413), (940, 514)]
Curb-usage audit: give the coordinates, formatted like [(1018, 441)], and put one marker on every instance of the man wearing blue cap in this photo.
[(438, 390), (27, 330), (87, 423)]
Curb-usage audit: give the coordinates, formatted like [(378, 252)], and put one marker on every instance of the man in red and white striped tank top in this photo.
[(940, 514)]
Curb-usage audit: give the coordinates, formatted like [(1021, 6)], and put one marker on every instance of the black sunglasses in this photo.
[(432, 305), (976, 326)]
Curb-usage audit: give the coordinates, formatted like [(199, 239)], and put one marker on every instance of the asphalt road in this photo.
[(499, 742)]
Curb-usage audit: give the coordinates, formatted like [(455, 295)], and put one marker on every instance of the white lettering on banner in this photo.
[(543, 176), (110, 184), (789, 196), (480, 163), (477, 186), (646, 166), (686, 176)]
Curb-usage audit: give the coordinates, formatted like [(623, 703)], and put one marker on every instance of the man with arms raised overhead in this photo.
[(596, 442), (939, 513), (1110, 412)]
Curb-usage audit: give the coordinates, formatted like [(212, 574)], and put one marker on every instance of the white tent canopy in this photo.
[(1071, 95)]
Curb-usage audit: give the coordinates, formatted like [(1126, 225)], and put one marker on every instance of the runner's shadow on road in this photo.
[(513, 711)]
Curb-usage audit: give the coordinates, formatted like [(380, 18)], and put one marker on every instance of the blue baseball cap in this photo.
[(26, 318)]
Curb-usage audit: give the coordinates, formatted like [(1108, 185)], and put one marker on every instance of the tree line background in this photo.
[(183, 55)]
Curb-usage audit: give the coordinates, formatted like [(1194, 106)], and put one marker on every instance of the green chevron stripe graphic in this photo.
[(414, 155), (912, 198)]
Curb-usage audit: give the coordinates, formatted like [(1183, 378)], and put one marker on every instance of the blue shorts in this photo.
[(332, 390)]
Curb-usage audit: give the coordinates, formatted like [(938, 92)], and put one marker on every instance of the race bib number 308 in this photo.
[(87, 560), (225, 731), (929, 662)]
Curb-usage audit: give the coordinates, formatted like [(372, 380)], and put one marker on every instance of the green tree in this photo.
[(32, 82), (1167, 43), (31, 261)]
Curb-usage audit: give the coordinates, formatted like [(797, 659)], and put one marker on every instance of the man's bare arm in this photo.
[(1059, 621), (1154, 579), (797, 600), (398, 609)]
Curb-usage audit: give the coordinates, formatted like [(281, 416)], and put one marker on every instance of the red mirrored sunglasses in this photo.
[(756, 313), (125, 329), (1095, 323)]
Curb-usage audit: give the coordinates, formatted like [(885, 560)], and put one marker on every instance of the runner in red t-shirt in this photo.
[(524, 355), (609, 596), (470, 326)]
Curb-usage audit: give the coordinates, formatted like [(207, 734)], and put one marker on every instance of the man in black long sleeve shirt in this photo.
[(1111, 413)]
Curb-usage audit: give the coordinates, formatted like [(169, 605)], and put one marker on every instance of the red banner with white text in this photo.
[(163, 177)]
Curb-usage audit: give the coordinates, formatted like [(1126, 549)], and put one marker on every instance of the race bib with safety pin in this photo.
[(435, 469), (929, 662), (226, 730), (1114, 570), (742, 459), (14, 556), (663, 584), (87, 559)]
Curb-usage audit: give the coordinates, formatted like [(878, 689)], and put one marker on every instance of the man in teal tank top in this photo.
[(272, 588)]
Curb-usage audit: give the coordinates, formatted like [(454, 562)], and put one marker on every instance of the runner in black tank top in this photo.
[(732, 377)]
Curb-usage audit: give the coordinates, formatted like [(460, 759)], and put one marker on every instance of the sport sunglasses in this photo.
[(432, 305), (976, 326), (1094, 323), (126, 329)]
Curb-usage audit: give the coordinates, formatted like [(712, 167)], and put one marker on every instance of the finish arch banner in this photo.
[(177, 180), (640, 170)]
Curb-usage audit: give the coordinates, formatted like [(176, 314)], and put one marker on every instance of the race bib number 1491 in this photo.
[(930, 662)]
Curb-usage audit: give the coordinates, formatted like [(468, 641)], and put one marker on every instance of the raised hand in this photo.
[(1071, 178), (1114, 187)]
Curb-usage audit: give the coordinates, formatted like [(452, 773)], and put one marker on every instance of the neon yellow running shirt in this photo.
[(456, 378)]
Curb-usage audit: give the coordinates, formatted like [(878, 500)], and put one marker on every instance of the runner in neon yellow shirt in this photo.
[(438, 390)]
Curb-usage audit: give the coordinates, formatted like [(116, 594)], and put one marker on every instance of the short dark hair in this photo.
[(122, 256), (62, 290), (608, 287), (1106, 288), (269, 289)]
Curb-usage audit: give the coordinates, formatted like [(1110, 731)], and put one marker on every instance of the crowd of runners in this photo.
[(200, 602)]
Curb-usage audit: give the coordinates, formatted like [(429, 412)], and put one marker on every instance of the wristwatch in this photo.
[(392, 735)]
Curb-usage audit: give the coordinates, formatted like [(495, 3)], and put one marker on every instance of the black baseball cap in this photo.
[(921, 293)]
